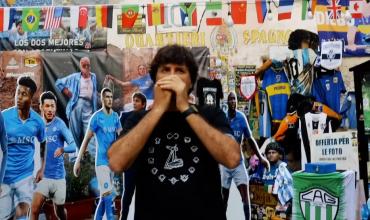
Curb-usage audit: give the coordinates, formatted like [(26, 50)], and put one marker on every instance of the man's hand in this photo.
[(110, 77), (77, 168), (176, 85), (39, 175), (67, 92), (162, 98), (58, 152)]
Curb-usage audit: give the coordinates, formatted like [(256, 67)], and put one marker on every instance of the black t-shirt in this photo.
[(176, 177), (209, 92)]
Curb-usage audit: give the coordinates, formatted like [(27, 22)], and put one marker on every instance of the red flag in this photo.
[(129, 15), (82, 17), (2, 19), (239, 12), (355, 7)]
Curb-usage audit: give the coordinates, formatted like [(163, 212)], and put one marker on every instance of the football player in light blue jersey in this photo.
[(54, 182), (240, 127), (105, 126), (23, 125)]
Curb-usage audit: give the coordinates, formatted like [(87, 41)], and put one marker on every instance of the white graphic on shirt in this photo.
[(173, 180), (172, 161), (194, 148), (187, 139), (151, 160), (182, 161), (154, 171), (173, 136), (161, 177), (184, 178), (191, 170), (151, 150)]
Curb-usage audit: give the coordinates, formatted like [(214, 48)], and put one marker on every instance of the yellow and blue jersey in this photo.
[(277, 88)]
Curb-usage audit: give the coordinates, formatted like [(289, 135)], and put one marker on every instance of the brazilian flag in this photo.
[(30, 19)]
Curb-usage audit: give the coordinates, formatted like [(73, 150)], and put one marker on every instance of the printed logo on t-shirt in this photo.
[(174, 169), (278, 78), (21, 140), (327, 84), (209, 95)]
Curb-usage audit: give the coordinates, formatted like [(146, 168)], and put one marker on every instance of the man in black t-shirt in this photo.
[(175, 148), (139, 103)]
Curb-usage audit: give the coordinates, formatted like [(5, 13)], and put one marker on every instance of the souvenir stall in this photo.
[(298, 70)]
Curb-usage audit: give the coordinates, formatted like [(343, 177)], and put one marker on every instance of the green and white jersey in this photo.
[(324, 196)]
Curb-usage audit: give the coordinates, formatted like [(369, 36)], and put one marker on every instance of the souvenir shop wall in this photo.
[(288, 62)]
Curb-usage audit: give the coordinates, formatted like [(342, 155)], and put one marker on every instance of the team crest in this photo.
[(318, 200), (248, 86), (278, 78), (331, 54)]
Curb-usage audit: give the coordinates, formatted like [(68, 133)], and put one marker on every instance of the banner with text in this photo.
[(340, 148)]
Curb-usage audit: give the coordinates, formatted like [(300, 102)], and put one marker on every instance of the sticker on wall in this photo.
[(224, 39)]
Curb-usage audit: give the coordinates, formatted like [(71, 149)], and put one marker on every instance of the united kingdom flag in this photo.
[(334, 9)]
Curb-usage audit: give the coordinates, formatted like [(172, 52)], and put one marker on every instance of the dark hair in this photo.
[(299, 35), (274, 146), (18, 22), (27, 82), (104, 90), (140, 96), (177, 55), (47, 95)]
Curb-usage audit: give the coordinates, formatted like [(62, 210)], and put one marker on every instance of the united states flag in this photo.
[(53, 17)]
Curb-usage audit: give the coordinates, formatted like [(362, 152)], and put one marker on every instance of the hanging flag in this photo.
[(308, 4), (155, 14), (129, 15), (261, 9), (104, 15), (73, 19), (355, 8), (285, 9), (30, 19), (189, 9), (12, 17), (213, 13), (83, 17), (334, 10), (239, 12), (4, 16), (53, 17)]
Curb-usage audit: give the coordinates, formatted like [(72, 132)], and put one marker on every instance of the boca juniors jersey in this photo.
[(277, 88)]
